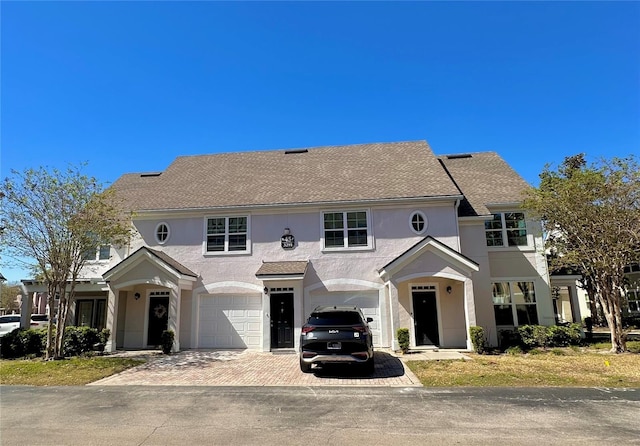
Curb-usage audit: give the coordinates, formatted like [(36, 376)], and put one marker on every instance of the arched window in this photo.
[(162, 233), (418, 222)]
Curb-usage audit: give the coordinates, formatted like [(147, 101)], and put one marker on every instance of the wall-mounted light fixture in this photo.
[(137, 296), (266, 290), (448, 290), (287, 231)]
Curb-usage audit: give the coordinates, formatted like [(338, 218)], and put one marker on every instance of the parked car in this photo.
[(338, 334), (10, 322)]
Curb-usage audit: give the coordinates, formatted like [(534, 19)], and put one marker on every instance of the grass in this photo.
[(565, 367), (68, 372)]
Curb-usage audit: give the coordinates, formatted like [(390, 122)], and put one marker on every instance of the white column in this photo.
[(394, 310), (112, 319), (174, 316), (575, 304), (469, 309)]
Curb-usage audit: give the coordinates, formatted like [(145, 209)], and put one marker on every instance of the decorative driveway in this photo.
[(249, 368)]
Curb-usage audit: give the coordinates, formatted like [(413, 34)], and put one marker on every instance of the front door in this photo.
[(282, 320), (425, 318), (158, 319)]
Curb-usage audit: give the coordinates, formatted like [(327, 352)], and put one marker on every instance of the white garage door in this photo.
[(366, 300), (231, 321)]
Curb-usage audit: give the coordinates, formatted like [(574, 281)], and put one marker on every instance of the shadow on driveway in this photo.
[(386, 366)]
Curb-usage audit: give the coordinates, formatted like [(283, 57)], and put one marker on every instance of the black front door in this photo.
[(425, 318), (158, 318), (282, 320)]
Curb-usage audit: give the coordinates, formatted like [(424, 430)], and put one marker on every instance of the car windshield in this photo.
[(335, 318), (39, 317), (7, 319)]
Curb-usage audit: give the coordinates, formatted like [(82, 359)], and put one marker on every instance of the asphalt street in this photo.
[(143, 415)]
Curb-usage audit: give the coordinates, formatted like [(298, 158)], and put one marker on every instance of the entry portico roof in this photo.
[(282, 270), (159, 258), (428, 244)]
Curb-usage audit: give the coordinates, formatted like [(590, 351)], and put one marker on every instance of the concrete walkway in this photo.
[(250, 368)]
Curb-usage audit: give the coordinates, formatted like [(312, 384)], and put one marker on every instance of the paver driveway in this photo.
[(249, 368)]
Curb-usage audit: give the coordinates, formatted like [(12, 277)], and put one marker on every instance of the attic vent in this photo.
[(290, 152), (150, 174), (456, 157)]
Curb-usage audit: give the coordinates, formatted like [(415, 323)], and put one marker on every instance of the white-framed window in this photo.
[(418, 222), (346, 230), (227, 234), (506, 229), (633, 300), (514, 303), (103, 252), (162, 232)]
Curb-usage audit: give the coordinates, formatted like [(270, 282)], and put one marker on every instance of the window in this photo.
[(633, 300), (102, 253), (514, 303), (349, 229), (162, 233), (227, 234), (508, 226), (91, 313), (418, 222)]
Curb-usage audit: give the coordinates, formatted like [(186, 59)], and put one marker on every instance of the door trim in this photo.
[(272, 294), (412, 329)]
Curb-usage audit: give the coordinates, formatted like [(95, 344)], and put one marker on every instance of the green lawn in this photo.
[(565, 367), (67, 372)]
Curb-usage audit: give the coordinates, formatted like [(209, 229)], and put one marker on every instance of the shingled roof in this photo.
[(360, 172), (484, 178)]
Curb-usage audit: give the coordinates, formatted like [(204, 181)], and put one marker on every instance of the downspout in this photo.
[(456, 206)]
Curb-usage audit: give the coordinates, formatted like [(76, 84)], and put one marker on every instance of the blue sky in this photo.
[(128, 86)]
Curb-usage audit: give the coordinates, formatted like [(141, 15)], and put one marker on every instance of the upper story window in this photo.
[(227, 234), (418, 222), (633, 300), (101, 253), (346, 229), (162, 233), (514, 303), (506, 229)]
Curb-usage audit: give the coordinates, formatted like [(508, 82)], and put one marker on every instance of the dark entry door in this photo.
[(158, 318), (425, 318), (282, 320)]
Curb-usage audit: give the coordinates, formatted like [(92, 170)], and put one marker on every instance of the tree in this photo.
[(8, 294), (55, 217), (592, 215)]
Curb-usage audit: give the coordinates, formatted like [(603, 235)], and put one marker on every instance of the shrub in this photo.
[(509, 338), (21, 342), (533, 336), (403, 339), (167, 341), (514, 350), (477, 339)]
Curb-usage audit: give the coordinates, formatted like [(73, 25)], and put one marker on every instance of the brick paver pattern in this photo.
[(250, 368)]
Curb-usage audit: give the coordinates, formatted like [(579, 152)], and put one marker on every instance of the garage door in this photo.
[(230, 321), (366, 300)]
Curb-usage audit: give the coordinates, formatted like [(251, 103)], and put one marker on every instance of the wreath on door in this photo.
[(159, 311)]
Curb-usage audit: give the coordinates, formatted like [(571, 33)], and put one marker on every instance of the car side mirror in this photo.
[(369, 319)]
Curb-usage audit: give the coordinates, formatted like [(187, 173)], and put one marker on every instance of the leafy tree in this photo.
[(8, 296), (592, 215), (56, 217)]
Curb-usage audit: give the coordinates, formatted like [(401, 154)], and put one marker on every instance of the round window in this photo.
[(162, 232), (418, 222)]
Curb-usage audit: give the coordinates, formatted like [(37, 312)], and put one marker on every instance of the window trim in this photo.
[(96, 255), (425, 222), (512, 303), (156, 232), (345, 231), (504, 232), (226, 251)]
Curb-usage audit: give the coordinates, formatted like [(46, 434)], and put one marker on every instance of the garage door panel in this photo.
[(230, 322), (368, 301)]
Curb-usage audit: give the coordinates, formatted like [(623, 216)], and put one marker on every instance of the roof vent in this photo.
[(150, 174), (290, 152), (456, 157)]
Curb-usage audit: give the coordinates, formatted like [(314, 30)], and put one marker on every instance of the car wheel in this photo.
[(305, 367)]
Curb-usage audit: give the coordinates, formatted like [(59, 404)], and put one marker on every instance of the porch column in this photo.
[(112, 319), (394, 310), (174, 316), (469, 310), (576, 314)]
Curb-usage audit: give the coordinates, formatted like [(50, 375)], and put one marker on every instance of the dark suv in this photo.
[(338, 334)]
